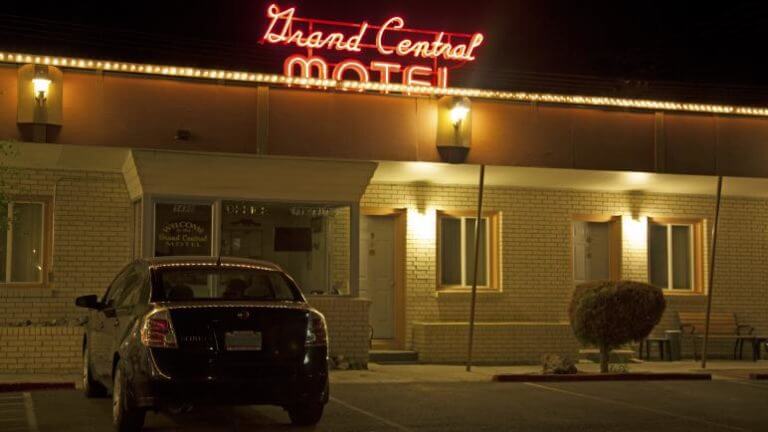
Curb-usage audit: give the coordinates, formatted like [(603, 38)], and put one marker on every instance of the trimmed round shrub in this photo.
[(609, 314)]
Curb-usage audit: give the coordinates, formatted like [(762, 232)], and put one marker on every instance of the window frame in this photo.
[(697, 255), (46, 240), (493, 244)]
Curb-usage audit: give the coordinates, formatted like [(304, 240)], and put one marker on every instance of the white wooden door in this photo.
[(580, 252), (591, 251), (599, 250), (377, 272)]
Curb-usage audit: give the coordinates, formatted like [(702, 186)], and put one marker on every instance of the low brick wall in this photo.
[(347, 320), (494, 343), (40, 349)]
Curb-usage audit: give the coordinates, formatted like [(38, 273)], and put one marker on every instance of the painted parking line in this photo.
[(387, 422), (636, 407), (17, 413), (29, 407)]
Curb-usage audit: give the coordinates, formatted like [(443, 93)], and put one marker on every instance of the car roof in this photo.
[(182, 261)]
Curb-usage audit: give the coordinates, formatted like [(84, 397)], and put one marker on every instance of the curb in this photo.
[(22, 386), (604, 377), (758, 376)]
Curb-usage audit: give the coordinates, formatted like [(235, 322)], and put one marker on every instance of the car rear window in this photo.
[(221, 283)]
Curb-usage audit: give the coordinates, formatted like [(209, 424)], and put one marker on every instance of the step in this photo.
[(617, 355), (393, 356)]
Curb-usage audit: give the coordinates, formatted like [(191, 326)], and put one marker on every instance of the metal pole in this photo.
[(474, 276), (711, 273)]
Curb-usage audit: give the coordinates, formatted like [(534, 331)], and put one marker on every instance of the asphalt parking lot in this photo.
[(721, 405)]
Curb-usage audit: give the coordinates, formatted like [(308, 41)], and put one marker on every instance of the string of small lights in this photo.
[(330, 84)]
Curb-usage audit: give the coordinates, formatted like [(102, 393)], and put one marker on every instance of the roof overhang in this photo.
[(426, 173), (242, 176)]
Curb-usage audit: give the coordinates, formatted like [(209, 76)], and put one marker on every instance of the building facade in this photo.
[(347, 188)]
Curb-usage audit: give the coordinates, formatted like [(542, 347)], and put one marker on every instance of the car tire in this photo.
[(306, 414), (91, 388), (125, 416)]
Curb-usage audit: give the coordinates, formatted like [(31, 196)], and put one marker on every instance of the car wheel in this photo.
[(125, 416), (91, 388), (306, 414)]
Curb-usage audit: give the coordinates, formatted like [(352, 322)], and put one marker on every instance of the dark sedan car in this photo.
[(175, 332)]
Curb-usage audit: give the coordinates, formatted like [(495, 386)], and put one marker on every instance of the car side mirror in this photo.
[(88, 302)]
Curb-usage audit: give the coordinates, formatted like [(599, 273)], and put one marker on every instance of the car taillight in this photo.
[(317, 333), (157, 330)]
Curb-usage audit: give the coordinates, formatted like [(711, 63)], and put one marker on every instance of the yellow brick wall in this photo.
[(338, 249), (505, 343), (347, 320), (92, 240), (536, 249), (40, 349)]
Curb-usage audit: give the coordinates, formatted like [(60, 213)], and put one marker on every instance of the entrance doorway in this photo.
[(595, 249), (382, 238)]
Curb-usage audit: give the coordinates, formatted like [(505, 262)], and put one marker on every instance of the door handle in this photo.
[(116, 323)]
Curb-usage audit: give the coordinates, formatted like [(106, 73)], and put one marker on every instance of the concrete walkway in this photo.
[(414, 373), (380, 373)]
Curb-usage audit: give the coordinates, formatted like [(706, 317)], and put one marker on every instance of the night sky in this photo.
[(682, 50)]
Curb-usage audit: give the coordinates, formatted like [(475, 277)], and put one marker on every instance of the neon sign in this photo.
[(430, 54)]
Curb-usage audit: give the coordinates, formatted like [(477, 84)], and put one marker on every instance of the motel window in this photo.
[(674, 255), (21, 242), (456, 250), (311, 242)]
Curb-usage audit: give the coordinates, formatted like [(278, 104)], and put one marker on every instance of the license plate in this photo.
[(243, 341)]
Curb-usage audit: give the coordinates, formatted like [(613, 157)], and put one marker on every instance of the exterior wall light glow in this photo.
[(458, 114), (41, 85)]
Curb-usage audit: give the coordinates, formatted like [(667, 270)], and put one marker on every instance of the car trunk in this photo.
[(235, 340)]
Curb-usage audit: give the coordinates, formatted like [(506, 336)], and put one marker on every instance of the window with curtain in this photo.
[(457, 251), (21, 242), (673, 249)]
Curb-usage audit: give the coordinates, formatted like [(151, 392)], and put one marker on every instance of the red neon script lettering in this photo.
[(280, 31), (395, 23), (314, 40), (391, 40)]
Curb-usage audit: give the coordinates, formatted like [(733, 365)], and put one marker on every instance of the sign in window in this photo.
[(182, 229)]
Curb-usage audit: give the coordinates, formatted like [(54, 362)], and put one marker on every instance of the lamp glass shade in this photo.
[(459, 113), (41, 85)]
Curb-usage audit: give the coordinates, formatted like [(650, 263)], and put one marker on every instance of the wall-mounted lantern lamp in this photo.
[(454, 128), (41, 83), (459, 112), (39, 102)]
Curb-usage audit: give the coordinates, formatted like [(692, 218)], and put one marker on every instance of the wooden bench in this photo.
[(722, 326)]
